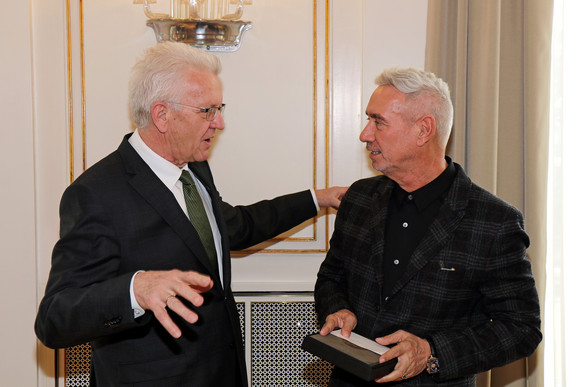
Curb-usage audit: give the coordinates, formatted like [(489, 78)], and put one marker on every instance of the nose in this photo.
[(218, 122), (367, 133)]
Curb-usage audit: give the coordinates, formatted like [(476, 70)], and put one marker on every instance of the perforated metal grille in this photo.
[(241, 307), (78, 365), (277, 332)]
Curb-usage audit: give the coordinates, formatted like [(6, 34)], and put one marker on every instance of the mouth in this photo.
[(210, 135), (373, 152)]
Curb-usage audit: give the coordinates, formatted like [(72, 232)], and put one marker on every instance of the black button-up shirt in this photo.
[(409, 216)]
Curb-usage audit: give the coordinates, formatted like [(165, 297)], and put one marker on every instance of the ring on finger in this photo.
[(404, 376)]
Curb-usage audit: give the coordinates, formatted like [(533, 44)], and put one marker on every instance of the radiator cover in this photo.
[(273, 326)]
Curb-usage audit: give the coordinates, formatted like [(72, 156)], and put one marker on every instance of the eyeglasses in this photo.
[(210, 112)]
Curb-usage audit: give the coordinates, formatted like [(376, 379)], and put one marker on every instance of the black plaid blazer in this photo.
[(117, 218), (468, 285)]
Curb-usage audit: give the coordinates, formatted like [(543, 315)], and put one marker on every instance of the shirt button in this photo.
[(405, 224), (410, 197), (396, 261)]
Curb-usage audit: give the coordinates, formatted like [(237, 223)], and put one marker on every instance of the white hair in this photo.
[(156, 76), (429, 94)]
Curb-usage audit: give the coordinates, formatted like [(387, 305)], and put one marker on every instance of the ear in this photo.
[(427, 130), (160, 116)]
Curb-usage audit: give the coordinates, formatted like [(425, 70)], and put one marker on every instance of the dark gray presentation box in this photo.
[(352, 358)]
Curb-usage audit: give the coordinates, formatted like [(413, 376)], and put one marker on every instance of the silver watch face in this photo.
[(432, 365)]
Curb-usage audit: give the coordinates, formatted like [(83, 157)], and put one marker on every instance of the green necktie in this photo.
[(198, 216)]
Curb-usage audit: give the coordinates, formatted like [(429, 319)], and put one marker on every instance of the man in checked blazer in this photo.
[(422, 258), (130, 273)]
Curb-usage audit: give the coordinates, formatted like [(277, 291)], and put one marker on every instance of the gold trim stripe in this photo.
[(70, 93), (279, 251), (83, 92), (71, 136), (314, 104), (326, 115)]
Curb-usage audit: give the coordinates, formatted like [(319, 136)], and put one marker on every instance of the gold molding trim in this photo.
[(278, 251), (326, 116), (314, 104), (70, 93), (71, 135), (83, 91)]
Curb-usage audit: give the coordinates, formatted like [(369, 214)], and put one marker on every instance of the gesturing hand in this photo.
[(156, 290)]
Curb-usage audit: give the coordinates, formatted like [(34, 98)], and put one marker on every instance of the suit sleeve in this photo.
[(85, 296), (255, 223)]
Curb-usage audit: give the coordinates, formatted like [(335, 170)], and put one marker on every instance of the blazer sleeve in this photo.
[(255, 223), (510, 303), (85, 296)]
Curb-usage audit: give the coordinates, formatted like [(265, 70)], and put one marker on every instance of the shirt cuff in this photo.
[(315, 200), (138, 311)]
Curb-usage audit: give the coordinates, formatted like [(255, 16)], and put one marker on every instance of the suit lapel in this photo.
[(148, 185)]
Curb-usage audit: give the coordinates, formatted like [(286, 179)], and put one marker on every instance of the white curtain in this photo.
[(495, 55), (562, 313)]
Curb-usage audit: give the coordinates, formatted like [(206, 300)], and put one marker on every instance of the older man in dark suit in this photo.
[(142, 268), (423, 258)]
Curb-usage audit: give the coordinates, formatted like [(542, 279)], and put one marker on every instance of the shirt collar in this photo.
[(428, 193), (166, 171)]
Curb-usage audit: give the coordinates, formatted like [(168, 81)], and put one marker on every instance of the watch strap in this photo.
[(433, 361)]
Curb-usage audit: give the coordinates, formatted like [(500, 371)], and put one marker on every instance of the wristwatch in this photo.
[(433, 361), (432, 365)]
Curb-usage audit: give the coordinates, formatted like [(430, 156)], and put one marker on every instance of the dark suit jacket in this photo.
[(117, 218), (468, 285)]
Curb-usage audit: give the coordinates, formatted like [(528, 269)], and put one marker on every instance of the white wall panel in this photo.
[(52, 155), (17, 228), (272, 123)]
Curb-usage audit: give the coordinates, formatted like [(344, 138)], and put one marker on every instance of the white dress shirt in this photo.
[(169, 174)]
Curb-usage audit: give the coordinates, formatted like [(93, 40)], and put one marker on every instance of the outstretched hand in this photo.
[(158, 290), (330, 197)]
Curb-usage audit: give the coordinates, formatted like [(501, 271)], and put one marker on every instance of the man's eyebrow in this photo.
[(375, 116)]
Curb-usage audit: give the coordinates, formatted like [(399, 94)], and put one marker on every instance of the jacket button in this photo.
[(113, 322)]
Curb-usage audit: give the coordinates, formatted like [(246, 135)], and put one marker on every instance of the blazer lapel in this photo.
[(379, 209), (148, 185), (442, 228)]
